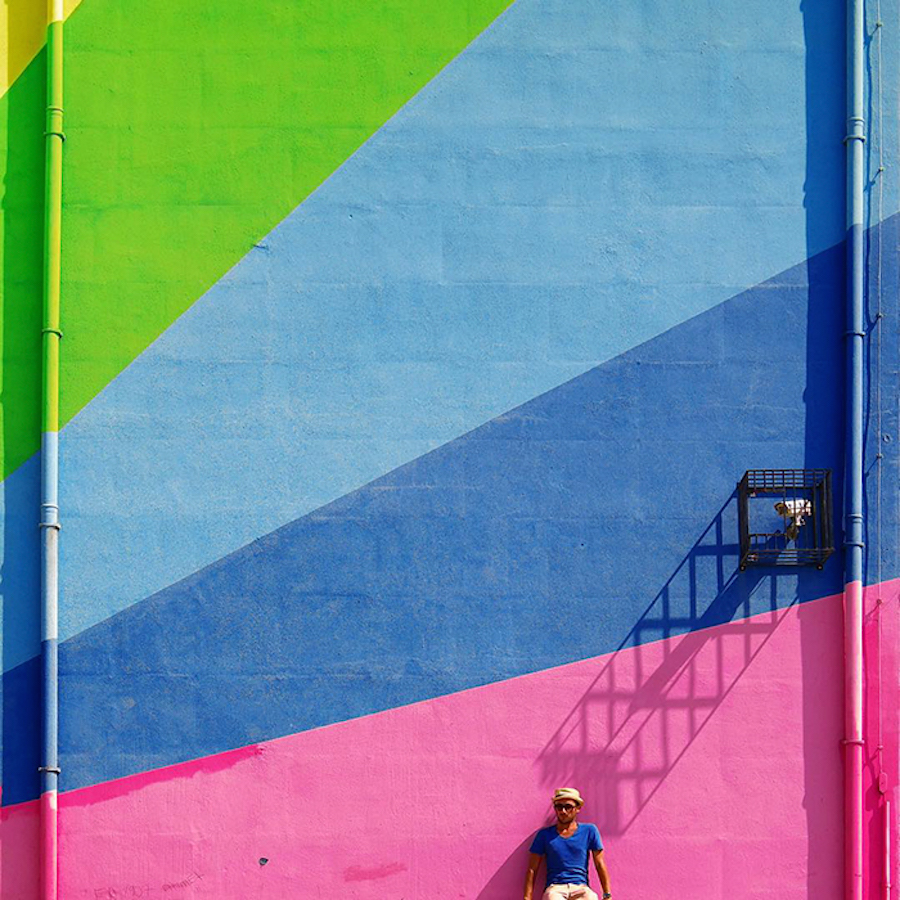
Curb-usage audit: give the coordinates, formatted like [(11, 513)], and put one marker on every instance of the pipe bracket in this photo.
[(861, 334), (55, 331), (856, 742), (56, 525), (859, 544), (51, 770)]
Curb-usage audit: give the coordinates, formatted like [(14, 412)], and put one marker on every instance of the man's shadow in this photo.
[(510, 876)]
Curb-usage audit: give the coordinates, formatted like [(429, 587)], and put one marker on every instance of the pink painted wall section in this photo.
[(19, 851), (688, 751), (882, 701)]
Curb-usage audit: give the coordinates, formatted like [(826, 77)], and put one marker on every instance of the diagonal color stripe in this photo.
[(23, 31), (671, 743), (216, 120)]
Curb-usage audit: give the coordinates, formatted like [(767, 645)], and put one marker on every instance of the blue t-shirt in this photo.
[(567, 858)]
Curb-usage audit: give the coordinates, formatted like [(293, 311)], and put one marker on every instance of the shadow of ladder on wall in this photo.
[(656, 693)]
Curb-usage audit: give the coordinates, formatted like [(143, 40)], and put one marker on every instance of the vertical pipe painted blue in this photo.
[(49, 524), (49, 617), (50, 724), (853, 516), (49, 767)]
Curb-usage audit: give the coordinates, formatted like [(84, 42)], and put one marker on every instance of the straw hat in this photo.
[(568, 794)]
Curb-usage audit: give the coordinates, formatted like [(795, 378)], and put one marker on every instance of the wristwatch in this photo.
[(607, 896)]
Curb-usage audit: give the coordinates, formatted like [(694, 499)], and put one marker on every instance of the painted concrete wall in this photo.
[(412, 354)]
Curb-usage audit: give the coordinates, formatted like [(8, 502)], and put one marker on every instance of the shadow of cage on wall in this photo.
[(662, 686)]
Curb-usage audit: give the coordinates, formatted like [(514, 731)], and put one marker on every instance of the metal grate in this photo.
[(784, 517)]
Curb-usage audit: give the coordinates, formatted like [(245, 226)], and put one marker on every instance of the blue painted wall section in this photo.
[(607, 501), (578, 181)]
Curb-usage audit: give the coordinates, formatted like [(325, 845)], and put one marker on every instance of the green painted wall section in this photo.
[(192, 131)]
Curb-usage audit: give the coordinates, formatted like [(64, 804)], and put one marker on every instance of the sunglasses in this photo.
[(564, 807)]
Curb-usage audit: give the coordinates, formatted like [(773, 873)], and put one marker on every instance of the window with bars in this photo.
[(785, 518)]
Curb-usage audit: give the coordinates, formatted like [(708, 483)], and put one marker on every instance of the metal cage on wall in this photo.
[(784, 517)]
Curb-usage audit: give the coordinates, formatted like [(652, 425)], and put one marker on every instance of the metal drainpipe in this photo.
[(886, 862), (49, 521), (853, 474)]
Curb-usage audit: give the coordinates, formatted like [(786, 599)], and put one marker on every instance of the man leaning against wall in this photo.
[(567, 846)]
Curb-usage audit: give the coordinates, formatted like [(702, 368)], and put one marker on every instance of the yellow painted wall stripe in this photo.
[(23, 30)]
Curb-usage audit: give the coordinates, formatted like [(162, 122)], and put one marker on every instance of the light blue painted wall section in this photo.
[(585, 176)]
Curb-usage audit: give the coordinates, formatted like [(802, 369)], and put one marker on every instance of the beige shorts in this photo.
[(569, 892)]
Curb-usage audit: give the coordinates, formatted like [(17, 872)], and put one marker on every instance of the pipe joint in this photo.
[(54, 129), (54, 119), (49, 516)]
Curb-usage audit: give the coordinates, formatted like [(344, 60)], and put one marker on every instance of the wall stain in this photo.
[(357, 873), (121, 787)]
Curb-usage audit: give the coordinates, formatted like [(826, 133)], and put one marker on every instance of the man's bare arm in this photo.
[(534, 863), (602, 871)]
